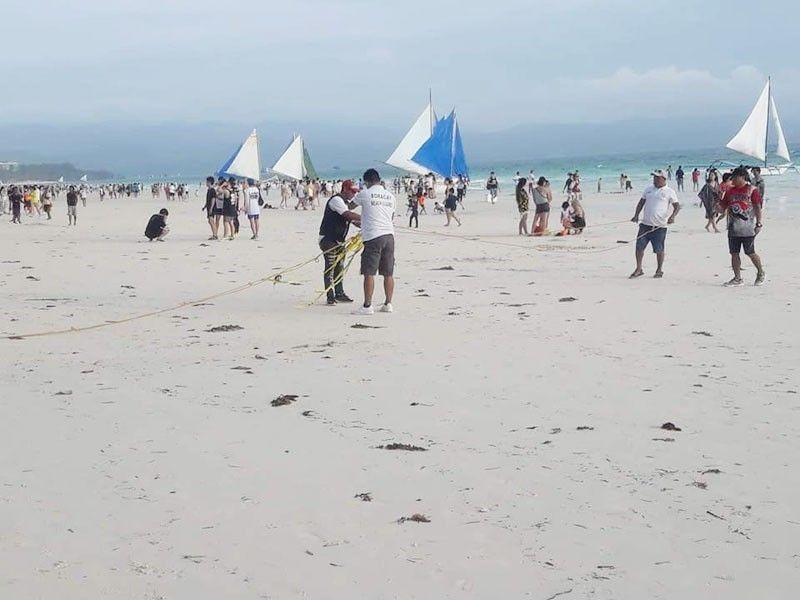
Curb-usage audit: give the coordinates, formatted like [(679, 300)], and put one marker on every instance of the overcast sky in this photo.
[(370, 62)]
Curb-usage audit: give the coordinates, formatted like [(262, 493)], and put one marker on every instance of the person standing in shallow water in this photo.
[(523, 206)]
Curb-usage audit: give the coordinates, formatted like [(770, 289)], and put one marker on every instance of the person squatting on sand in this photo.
[(742, 205), (333, 230), (156, 228), (377, 230), (656, 202)]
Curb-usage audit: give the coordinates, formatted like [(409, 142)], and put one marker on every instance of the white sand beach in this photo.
[(144, 460)]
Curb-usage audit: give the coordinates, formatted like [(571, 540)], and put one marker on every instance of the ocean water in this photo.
[(637, 167)]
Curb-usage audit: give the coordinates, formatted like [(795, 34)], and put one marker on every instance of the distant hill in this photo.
[(144, 150), (50, 172)]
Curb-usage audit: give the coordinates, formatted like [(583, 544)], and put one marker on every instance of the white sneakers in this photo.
[(369, 310)]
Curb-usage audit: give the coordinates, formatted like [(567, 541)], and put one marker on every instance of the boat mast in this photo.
[(769, 105), (430, 106)]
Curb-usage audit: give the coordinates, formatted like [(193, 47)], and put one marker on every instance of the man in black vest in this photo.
[(332, 234)]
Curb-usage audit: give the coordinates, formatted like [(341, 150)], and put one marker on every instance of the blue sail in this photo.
[(223, 170), (443, 153)]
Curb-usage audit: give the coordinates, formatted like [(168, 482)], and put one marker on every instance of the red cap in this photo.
[(348, 185)]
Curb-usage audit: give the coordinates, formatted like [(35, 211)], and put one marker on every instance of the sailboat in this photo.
[(295, 162), (443, 152), (243, 163), (752, 138), (420, 132)]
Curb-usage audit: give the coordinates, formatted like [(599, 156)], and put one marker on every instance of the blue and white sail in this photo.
[(244, 163), (443, 153), (420, 132)]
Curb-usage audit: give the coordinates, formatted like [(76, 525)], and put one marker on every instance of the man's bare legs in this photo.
[(369, 288)]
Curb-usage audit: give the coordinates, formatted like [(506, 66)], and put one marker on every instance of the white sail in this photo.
[(291, 163), (783, 149), (419, 133), (752, 137), (85, 178), (61, 179), (245, 162)]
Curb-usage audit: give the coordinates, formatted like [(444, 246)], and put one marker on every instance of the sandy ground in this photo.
[(145, 460)]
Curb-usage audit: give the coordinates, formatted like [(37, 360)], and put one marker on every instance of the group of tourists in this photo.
[(38, 200), (225, 200)]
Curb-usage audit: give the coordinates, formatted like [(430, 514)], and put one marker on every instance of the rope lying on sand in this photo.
[(483, 240), (275, 279), (351, 248)]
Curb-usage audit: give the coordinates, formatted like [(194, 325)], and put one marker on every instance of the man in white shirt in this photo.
[(252, 206), (656, 201), (377, 230)]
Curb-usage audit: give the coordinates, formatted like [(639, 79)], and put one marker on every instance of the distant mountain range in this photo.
[(142, 150), (49, 172)]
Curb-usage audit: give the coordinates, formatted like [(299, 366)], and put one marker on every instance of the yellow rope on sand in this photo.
[(348, 251), (275, 279)]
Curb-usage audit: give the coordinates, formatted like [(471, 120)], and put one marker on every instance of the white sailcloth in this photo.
[(752, 137), (246, 162), (419, 133), (783, 149), (85, 178), (291, 163)]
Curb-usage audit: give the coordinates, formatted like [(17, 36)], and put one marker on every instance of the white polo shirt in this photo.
[(657, 204), (377, 209)]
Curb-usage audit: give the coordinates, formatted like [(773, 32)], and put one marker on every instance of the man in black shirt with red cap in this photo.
[(332, 234)]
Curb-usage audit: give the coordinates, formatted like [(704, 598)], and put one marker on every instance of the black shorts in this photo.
[(542, 208), (378, 256), (217, 211), (736, 244)]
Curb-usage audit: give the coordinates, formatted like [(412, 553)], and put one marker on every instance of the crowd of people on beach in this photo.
[(737, 195)]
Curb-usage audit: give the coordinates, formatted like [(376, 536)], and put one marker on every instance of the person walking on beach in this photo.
[(758, 181), (679, 178), (15, 199), (669, 172), (450, 206), (656, 201), (542, 197), (695, 179), (493, 187), (252, 206), (377, 231), (742, 205), (47, 202), (413, 209), (72, 205), (209, 207), (336, 219), (461, 190), (523, 206), (709, 196)]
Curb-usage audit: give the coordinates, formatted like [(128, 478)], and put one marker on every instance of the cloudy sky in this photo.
[(370, 62)]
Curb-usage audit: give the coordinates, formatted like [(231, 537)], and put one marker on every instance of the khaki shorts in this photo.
[(72, 211), (378, 256)]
